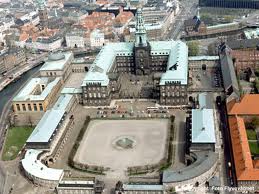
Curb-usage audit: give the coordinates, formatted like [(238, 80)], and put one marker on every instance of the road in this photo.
[(227, 144), (188, 10), (8, 93), (5, 104), (17, 72)]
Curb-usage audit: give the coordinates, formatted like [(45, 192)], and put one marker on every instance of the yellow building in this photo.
[(36, 95)]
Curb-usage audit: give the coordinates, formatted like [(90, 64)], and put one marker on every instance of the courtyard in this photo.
[(118, 144)]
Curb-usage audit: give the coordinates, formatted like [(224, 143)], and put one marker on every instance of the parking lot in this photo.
[(206, 79), (134, 109)]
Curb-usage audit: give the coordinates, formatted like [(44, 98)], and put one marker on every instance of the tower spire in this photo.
[(140, 34)]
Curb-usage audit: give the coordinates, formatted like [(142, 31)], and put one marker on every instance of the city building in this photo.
[(158, 19), (37, 172), (58, 65), (247, 4), (96, 39), (202, 130), (11, 58), (44, 40), (34, 99), (54, 123), (230, 82), (251, 33), (76, 38), (197, 63), (43, 13), (132, 188), (245, 161), (122, 20), (245, 44), (36, 95), (245, 59), (202, 169), (200, 126), (194, 26), (143, 57), (76, 186)]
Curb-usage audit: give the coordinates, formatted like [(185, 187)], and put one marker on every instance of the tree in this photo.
[(193, 48), (228, 18), (255, 122), (212, 49)]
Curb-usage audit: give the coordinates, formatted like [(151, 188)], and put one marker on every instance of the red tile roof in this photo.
[(244, 165), (246, 168), (248, 105)]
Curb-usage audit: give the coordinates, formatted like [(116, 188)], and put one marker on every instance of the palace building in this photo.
[(166, 62)]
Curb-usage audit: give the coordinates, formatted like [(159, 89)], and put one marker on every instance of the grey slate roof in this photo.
[(205, 100), (203, 127), (228, 72), (204, 162), (242, 44)]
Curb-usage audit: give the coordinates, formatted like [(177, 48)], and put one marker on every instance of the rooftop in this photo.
[(50, 121), (245, 169), (205, 100), (177, 51), (205, 58), (33, 91), (204, 161), (248, 105), (203, 128), (252, 33), (57, 61), (46, 127), (228, 72), (142, 187), (243, 44), (33, 166)]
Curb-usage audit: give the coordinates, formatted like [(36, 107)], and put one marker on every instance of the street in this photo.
[(188, 10), (227, 145)]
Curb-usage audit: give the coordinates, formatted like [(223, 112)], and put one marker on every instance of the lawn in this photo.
[(254, 148), (251, 134), (15, 139)]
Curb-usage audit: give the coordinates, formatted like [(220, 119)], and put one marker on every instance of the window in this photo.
[(35, 107), (41, 107), (23, 107), (29, 107), (18, 107)]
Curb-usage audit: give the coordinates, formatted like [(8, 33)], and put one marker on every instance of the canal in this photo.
[(13, 87)]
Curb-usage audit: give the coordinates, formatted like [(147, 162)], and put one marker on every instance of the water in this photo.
[(13, 87)]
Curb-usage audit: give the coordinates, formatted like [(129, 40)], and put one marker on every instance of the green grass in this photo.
[(251, 134), (15, 139), (254, 148)]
